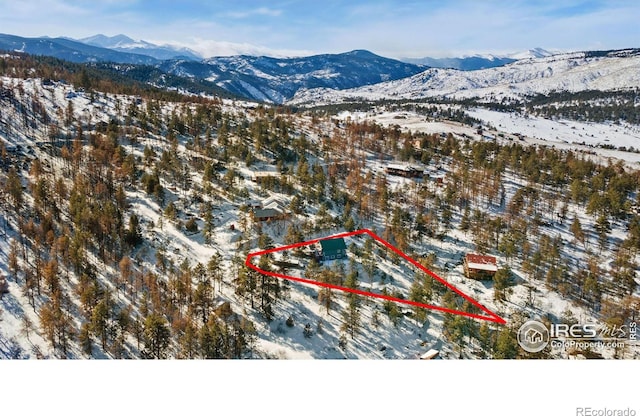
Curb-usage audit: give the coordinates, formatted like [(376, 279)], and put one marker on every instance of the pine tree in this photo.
[(420, 292), (189, 340), (14, 266), (501, 284), (506, 345), (351, 316), (349, 224), (209, 226), (133, 236), (100, 322), (13, 187), (203, 299), (156, 337), (85, 338), (484, 337), (576, 230), (623, 271), (603, 228), (214, 269)]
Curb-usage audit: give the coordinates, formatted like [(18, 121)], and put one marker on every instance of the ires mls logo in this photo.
[(533, 336), (574, 331)]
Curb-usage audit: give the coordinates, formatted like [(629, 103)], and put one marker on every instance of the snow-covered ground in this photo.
[(562, 131), (407, 120), (533, 130), (377, 337)]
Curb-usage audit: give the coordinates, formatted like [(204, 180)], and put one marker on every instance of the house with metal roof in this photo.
[(272, 208), (268, 214), (480, 267), (333, 248)]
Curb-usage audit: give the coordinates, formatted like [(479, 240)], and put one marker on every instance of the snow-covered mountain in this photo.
[(70, 50), (475, 62), (123, 43), (530, 54), (573, 72), (277, 80), (467, 63), (259, 78), (352, 75)]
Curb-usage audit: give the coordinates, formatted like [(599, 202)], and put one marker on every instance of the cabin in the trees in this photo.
[(480, 267), (332, 249), (404, 170), (263, 176), (267, 214), (273, 208)]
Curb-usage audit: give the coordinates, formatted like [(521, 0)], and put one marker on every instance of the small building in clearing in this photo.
[(480, 267), (267, 214), (404, 170), (333, 248), (263, 176)]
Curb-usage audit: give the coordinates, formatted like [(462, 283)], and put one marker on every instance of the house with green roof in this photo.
[(333, 248)]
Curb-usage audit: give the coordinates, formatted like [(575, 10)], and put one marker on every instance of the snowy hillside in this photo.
[(126, 223), (565, 72)]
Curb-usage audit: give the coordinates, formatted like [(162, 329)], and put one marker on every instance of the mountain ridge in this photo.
[(123, 43), (278, 79), (260, 78), (478, 61), (70, 50), (572, 72), (358, 73)]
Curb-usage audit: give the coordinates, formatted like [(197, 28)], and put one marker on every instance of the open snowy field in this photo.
[(563, 134), (564, 131)]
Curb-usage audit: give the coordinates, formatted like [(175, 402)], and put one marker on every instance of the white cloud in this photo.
[(209, 48), (261, 11)]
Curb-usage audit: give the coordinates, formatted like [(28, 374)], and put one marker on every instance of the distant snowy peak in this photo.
[(71, 50), (108, 41), (123, 43), (465, 63), (573, 72), (530, 54), (479, 61)]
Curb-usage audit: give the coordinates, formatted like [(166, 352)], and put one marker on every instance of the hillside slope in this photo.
[(126, 222)]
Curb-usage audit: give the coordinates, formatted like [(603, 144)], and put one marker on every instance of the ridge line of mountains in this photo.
[(308, 78)]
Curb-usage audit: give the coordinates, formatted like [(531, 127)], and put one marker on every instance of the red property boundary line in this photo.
[(491, 318)]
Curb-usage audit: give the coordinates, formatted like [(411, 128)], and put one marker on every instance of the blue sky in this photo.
[(391, 28)]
